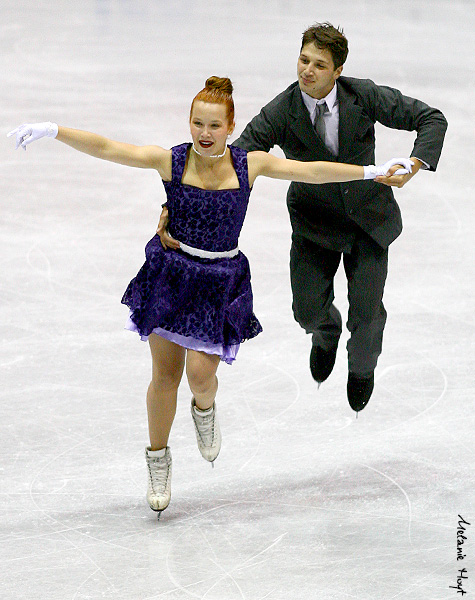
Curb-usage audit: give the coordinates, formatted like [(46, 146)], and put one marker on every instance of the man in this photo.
[(325, 116)]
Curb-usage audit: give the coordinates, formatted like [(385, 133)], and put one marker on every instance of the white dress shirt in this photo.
[(331, 117)]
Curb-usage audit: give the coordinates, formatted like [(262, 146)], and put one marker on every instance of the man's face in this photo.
[(316, 71)]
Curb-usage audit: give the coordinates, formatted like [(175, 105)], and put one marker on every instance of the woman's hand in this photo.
[(395, 166), (395, 178), (165, 238), (30, 132)]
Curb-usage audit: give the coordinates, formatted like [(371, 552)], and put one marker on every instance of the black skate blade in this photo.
[(158, 512)]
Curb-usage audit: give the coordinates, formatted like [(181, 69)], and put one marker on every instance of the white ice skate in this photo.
[(159, 467), (208, 434)]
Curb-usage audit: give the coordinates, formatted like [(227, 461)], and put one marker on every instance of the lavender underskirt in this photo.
[(226, 353)]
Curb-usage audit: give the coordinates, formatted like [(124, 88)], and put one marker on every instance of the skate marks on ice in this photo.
[(215, 547), (345, 528), (224, 574), (332, 492)]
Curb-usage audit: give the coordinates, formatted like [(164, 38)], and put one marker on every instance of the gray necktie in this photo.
[(318, 123)]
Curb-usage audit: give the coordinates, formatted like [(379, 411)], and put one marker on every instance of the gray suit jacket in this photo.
[(331, 214)]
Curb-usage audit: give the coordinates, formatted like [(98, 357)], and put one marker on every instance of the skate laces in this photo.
[(158, 469), (205, 426)]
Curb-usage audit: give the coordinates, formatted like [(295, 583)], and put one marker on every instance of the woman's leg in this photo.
[(201, 373), (168, 360)]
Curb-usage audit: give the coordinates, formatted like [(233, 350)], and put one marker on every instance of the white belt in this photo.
[(207, 253)]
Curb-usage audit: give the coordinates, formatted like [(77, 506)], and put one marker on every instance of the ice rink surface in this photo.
[(305, 501)]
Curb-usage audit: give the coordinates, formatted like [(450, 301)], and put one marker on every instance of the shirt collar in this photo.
[(330, 100)]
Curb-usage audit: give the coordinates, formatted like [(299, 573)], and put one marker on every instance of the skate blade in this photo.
[(159, 512)]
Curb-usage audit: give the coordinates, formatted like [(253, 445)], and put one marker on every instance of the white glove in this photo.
[(29, 132), (372, 171)]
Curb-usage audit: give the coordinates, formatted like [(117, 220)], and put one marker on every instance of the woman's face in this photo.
[(209, 127)]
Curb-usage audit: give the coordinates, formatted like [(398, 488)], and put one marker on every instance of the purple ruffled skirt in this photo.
[(226, 353), (198, 303)]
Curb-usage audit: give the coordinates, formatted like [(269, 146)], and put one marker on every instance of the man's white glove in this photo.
[(372, 171), (30, 132)]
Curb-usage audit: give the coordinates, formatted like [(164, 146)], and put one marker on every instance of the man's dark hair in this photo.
[(327, 37)]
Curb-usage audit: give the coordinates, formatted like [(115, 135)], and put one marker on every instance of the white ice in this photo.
[(305, 502)]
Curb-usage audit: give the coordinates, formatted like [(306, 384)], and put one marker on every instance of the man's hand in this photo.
[(165, 238), (399, 180)]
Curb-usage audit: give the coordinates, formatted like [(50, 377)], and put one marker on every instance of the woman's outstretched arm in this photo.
[(144, 157), (262, 163)]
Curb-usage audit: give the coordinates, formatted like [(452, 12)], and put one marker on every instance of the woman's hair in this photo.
[(217, 90)]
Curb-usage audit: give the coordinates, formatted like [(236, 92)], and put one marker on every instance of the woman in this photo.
[(194, 304)]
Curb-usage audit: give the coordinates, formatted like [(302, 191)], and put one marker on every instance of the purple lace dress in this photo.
[(200, 303)]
